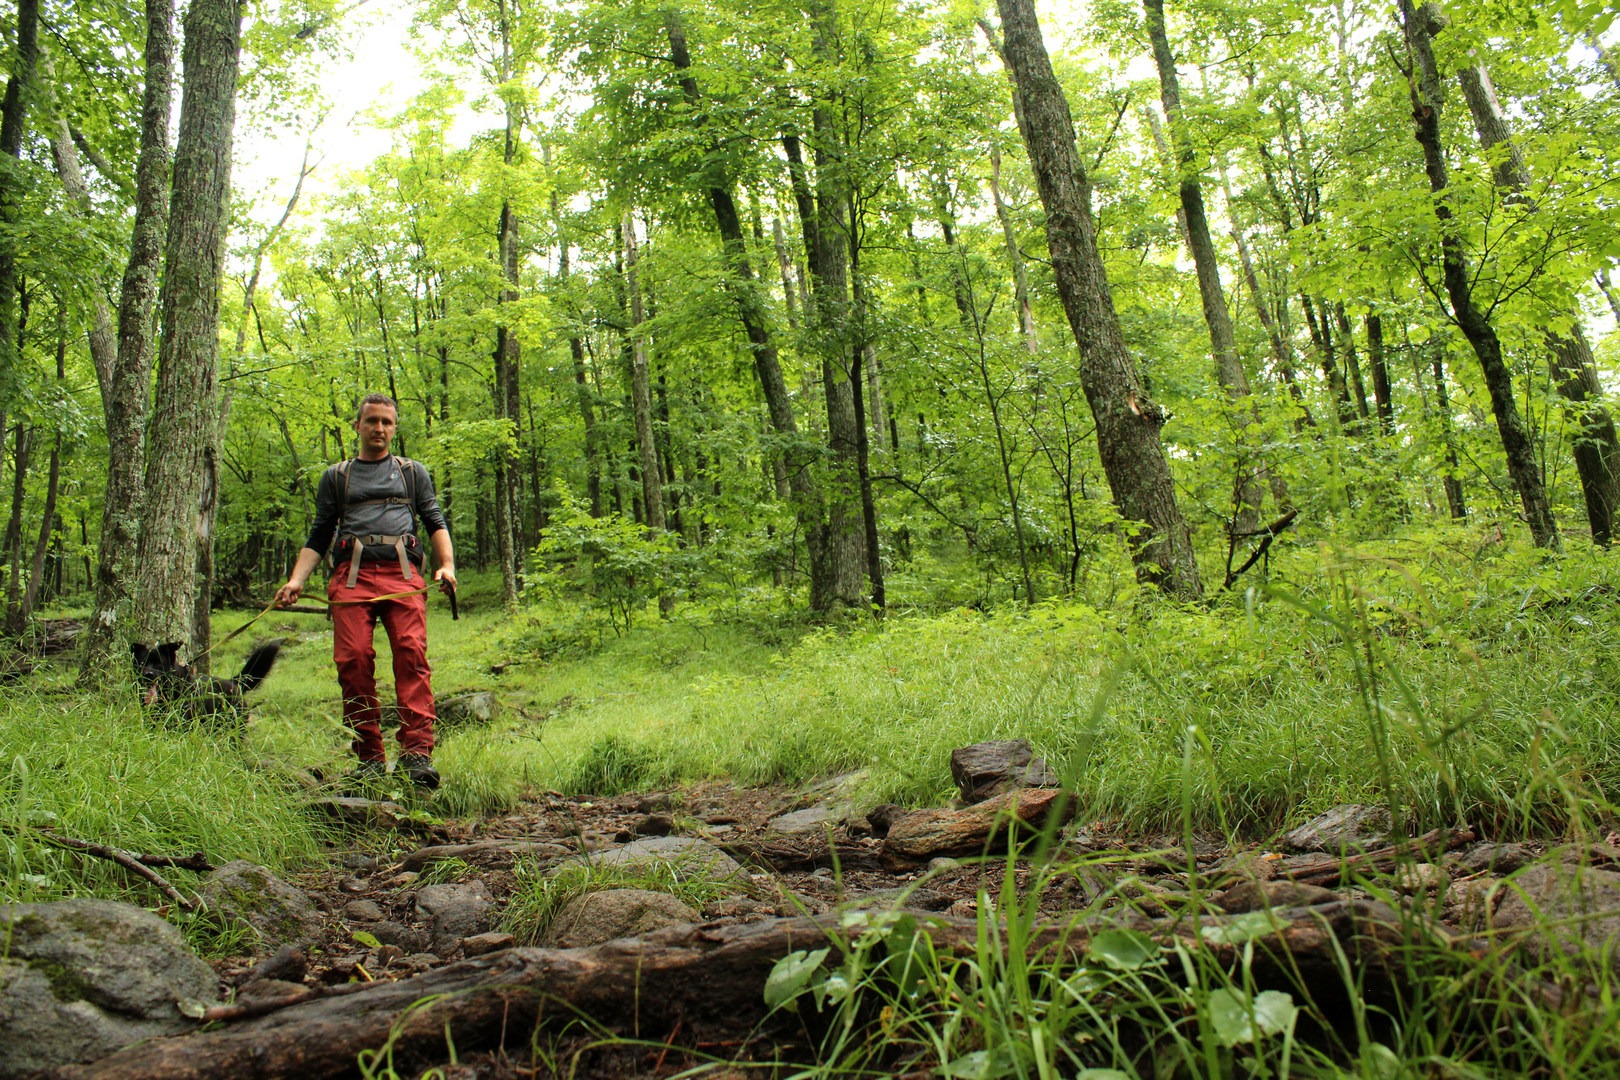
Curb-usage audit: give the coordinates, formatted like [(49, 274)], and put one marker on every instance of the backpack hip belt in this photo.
[(379, 540)]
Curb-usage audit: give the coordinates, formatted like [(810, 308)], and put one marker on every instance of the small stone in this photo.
[(243, 893), (354, 885), (881, 817), (1418, 879), (1497, 858), (387, 954), (1468, 903), (289, 964), (474, 707), (363, 812), (942, 864), (456, 912), (363, 911), (393, 933), (354, 860), (653, 825), (480, 944), (816, 819), (1347, 828), (661, 803), (268, 990), (596, 917), (687, 852)]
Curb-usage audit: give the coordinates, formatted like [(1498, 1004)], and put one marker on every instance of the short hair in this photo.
[(374, 399)]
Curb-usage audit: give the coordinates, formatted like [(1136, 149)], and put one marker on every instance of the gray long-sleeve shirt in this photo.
[(374, 480)]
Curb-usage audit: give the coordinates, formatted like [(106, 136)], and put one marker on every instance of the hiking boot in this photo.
[(420, 769)]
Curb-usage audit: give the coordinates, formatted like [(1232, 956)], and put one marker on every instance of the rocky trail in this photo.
[(668, 911)]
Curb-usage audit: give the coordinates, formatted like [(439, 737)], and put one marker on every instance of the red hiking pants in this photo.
[(354, 627)]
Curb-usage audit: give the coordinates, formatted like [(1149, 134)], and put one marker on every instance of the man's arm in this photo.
[(444, 557), (308, 559)]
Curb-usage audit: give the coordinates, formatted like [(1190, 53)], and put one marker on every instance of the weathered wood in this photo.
[(800, 854), (687, 973), (484, 851), (973, 830)]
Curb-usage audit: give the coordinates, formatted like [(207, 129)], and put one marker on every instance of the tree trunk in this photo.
[(1425, 89), (1380, 372), (1128, 421), (1015, 255), (863, 452), (1442, 400), (11, 548), (508, 350), (1352, 362), (126, 382), (1281, 351), (180, 447), (47, 517), (1596, 449), (576, 352), (1247, 489), (13, 126), (652, 494)]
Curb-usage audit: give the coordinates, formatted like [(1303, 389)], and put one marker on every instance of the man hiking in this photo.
[(371, 505)]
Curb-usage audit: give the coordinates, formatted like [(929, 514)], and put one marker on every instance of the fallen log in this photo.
[(802, 854), (497, 853), (972, 830), (702, 973), (1331, 870)]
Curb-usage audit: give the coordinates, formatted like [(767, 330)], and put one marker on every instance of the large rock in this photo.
[(80, 979), (1343, 830), (1574, 908), (925, 834), (985, 770), (462, 710), (596, 917), (686, 852), (455, 912), (246, 893)]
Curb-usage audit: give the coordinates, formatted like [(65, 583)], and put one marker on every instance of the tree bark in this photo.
[(11, 547), (703, 975), (652, 493), (1424, 85), (1596, 448), (126, 382), (1015, 256), (13, 127), (1128, 421), (508, 349), (181, 449), (1380, 372)]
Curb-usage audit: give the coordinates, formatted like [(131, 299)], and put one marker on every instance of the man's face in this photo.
[(376, 429)]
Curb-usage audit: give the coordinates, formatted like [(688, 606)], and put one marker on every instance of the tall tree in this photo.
[(1128, 421), (1423, 80), (1597, 450), (13, 127), (125, 374), (181, 448), (1247, 490)]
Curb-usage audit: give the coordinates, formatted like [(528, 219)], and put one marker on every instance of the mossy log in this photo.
[(694, 973)]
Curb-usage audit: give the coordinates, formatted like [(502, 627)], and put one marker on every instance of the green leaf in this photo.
[(1229, 1015), (196, 1010), (1239, 1019), (1242, 929), (1124, 950), (368, 940), (790, 975)]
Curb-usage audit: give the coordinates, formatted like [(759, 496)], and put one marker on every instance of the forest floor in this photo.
[(1474, 703)]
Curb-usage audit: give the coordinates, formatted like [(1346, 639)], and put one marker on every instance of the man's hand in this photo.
[(446, 577), (289, 593)]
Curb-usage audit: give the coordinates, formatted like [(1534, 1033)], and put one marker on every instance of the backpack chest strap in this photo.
[(378, 540)]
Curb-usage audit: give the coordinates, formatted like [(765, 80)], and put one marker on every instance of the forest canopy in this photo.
[(837, 305)]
